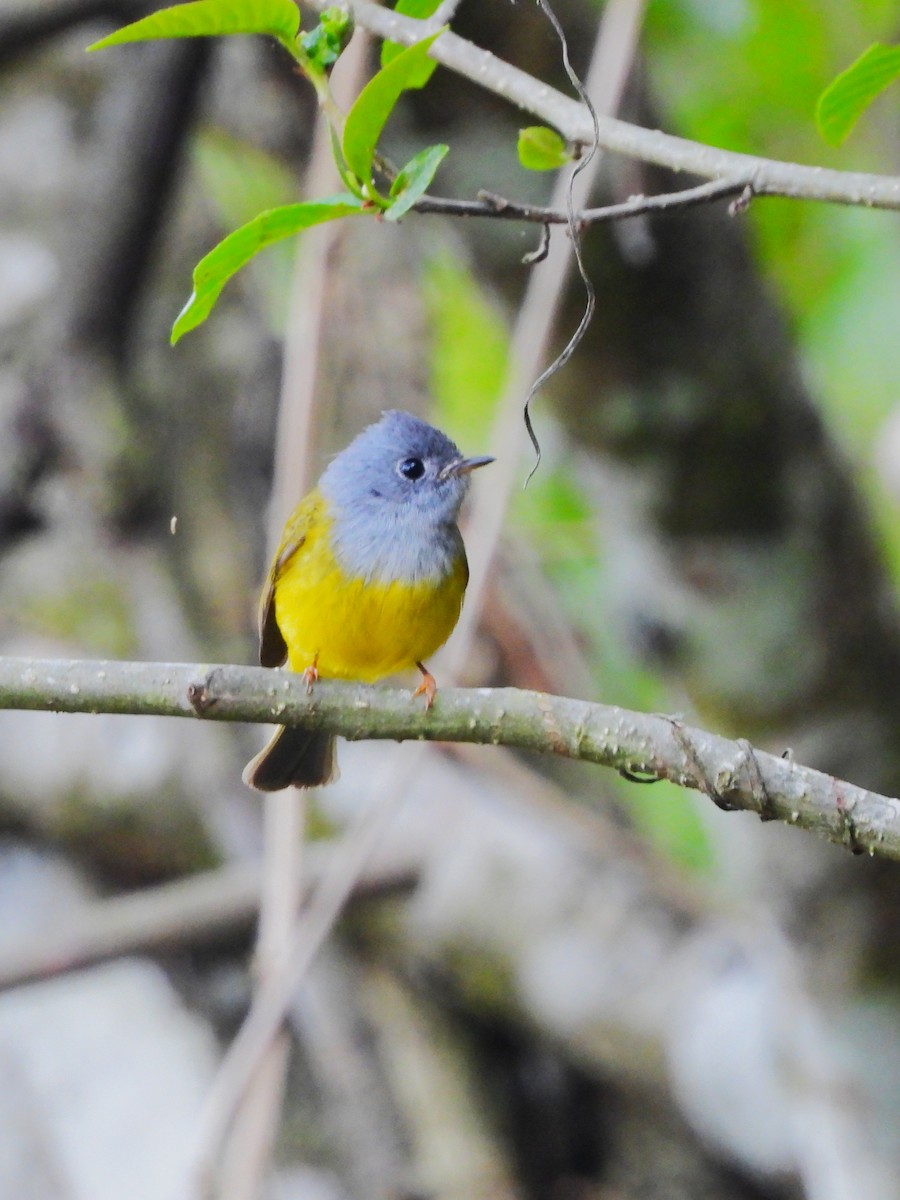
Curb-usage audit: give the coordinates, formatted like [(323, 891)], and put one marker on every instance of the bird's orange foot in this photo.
[(311, 676), (427, 688)]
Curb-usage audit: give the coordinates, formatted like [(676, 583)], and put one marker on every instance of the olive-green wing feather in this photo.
[(272, 647)]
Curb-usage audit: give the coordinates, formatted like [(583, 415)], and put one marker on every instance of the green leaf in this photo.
[(421, 10), (210, 18), (846, 98), (325, 44), (216, 268), (542, 149), (414, 179), (412, 68)]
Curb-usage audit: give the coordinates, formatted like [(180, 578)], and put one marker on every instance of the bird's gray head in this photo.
[(401, 462), (395, 493)]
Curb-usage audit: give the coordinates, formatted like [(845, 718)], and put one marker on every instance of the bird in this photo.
[(368, 579)]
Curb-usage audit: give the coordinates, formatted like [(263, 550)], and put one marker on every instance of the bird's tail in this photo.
[(301, 758)]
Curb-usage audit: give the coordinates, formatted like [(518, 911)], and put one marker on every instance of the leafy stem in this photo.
[(354, 136)]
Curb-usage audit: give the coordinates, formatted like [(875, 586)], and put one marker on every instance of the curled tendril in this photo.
[(574, 233)]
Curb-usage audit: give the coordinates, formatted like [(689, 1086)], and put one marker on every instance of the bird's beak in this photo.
[(462, 466)]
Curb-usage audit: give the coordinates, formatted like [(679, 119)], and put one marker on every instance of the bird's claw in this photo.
[(427, 688)]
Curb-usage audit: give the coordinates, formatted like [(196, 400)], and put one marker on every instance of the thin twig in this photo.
[(770, 177), (501, 209), (272, 1000), (332, 1020), (244, 1159), (189, 912)]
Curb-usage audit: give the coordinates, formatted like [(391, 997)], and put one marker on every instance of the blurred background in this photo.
[(551, 983)]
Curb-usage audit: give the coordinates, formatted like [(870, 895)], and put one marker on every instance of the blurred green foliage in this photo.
[(746, 75), (92, 614), (239, 180), (467, 355)]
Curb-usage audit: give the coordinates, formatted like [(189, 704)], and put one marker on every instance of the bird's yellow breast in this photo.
[(354, 629)]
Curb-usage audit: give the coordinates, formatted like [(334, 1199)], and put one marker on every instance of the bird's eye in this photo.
[(411, 468)]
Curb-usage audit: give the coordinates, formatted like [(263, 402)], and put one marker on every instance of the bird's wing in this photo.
[(272, 647)]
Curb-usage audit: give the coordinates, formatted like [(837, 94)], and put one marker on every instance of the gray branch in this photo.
[(186, 912), (643, 746), (498, 207), (766, 176)]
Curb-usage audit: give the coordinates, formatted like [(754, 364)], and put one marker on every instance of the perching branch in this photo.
[(644, 746), (768, 177)]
